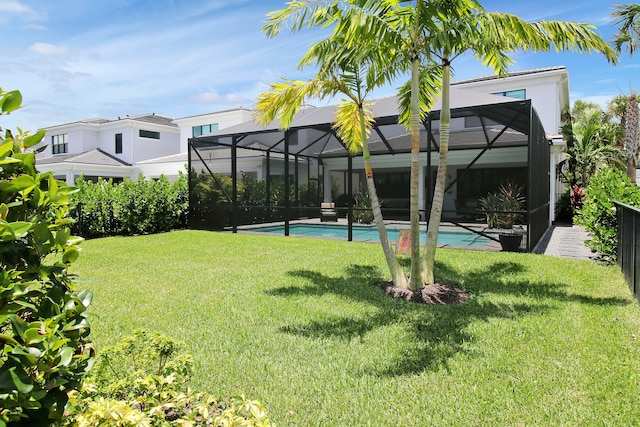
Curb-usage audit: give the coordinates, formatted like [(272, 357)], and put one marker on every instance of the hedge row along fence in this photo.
[(104, 208)]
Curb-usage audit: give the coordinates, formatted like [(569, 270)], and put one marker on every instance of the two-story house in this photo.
[(150, 144)]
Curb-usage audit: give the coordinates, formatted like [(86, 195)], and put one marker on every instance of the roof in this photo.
[(510, 74), (146, 118), (92, 157), (153, 118), (382, 108)]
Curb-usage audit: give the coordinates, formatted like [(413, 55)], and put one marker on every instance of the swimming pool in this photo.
[(370, 233)]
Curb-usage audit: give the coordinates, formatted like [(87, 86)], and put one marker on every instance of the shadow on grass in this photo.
[(433, 333)]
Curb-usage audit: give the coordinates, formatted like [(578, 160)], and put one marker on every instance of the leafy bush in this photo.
[(362, 212), (131, 207), (501, 207), (598, 214), (211, 206), (43, 321), (142, 380)]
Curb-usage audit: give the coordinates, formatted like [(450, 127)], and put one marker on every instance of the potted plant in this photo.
[(502, 211), (362, 212)]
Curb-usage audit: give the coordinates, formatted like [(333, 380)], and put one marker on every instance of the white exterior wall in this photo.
[(224, 119), (545, 90), (81, 137)]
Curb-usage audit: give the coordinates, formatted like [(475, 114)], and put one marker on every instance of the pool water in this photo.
[(370, 233)]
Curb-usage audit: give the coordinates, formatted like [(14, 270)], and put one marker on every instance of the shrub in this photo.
[(501, 208), (362, 212), (141, 381), (43, 321), (131, 207), (598, 214)]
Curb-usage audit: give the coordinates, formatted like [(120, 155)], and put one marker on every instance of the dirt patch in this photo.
[(438, 293)]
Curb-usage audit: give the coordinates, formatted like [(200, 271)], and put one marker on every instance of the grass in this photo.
[(300, 325)]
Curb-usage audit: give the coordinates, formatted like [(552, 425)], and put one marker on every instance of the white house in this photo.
[(123, 148)]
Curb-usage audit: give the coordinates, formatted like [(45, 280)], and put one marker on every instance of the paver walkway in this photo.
[(565, 241)]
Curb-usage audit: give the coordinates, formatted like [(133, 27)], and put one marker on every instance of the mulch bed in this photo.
[(438, 293)]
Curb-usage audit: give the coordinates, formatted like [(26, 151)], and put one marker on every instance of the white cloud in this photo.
[(48, 49), (13, 6)]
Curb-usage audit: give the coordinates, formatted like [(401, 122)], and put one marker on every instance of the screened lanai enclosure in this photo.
[(248, 174)]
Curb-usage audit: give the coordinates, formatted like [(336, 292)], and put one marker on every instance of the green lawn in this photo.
[(300, 325)]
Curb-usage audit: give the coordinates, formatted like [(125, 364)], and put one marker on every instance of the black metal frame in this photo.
[(517, 115)]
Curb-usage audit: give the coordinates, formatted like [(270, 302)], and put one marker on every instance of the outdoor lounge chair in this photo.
[(328, 212)]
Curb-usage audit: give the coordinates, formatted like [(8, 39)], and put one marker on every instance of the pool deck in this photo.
[(565, 241)]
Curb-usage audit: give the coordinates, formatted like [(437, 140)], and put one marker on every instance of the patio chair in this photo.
[(328, 212)]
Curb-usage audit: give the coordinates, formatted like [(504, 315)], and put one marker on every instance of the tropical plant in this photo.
[(344, 70), (434, 34), (489, 36), (362, 212), (598, 215), (589, 145), (444, 30), (627, 17), (44, 329), (502, 208), (632, 135)]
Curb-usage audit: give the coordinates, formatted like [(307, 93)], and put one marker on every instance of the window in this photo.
[(204, 129), (519, 93), (149, 134), (59, 143), (476, 183), (118, 143)]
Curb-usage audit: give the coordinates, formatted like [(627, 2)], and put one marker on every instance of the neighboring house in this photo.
[(107, 148), (149, 144)]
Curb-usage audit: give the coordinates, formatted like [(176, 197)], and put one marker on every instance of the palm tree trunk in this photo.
[(416, 276), (429, 257), (632, 135), (397, 275)]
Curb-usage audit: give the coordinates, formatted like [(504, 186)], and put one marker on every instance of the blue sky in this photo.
[(78, 59)]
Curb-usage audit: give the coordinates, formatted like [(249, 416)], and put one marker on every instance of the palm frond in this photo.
[(627, 17), (301, 14), (348, 124), (430, 89), (285, 100)]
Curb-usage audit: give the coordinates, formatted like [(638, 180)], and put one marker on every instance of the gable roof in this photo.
[(92, 157)]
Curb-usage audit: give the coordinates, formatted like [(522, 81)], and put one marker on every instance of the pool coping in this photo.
[(490, 246)]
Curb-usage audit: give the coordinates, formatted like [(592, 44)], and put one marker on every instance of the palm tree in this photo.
[(490, 36), (627, 16), (588, 146), (346, 72), (632, 135), (437, 33)]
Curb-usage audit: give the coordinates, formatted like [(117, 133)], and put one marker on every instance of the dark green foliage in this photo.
[(598, 214), (45, 351), (131, 207), (502, 208), (211, 204), (362, 212)]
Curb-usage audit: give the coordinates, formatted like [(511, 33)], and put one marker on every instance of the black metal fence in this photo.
[(629, 245)]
